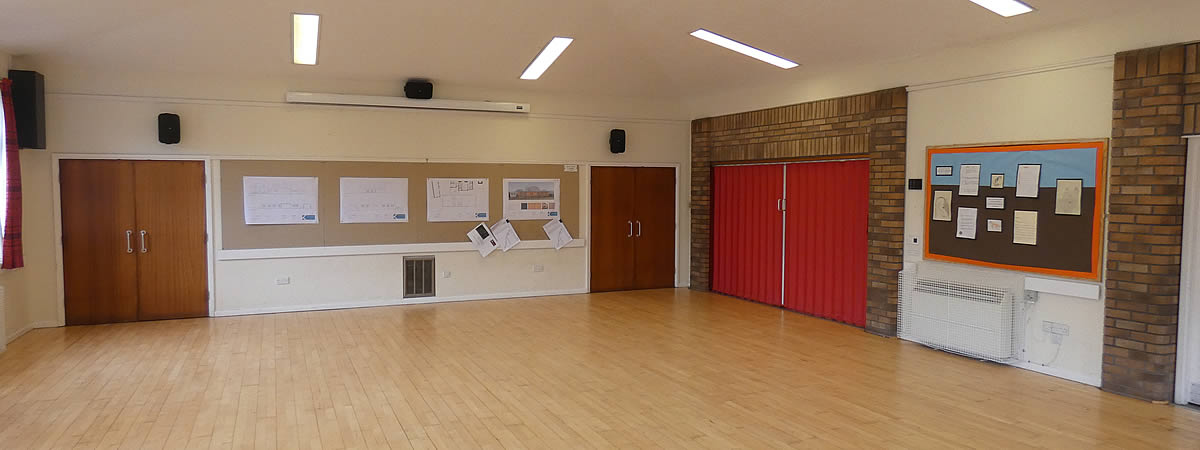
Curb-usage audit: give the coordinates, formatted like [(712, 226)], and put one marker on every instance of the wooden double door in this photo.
[(133, 240), (633, 228)]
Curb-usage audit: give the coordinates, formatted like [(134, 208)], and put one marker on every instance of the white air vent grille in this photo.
[(418, 276), (970, 319)]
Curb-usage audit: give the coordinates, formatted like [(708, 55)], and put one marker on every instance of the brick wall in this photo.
[(1156, 101), (871, 125)]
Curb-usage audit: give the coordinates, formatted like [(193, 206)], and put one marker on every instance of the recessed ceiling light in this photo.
[(546, 58), (305, 29), (1006, 8), (743, 49)]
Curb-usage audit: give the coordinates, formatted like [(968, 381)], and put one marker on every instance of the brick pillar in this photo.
[(886, 211), (701, 272), (1148, 156)]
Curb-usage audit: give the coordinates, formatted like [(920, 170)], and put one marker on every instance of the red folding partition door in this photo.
[(814, 260), (826, 240), (747, 232)]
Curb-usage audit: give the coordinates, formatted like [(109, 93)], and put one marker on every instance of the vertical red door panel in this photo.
[(825, 271), (747, 232)]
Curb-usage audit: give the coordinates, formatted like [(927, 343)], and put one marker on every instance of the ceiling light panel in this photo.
[(743, 49), (546, 58), (1006, 8), (305, 31)]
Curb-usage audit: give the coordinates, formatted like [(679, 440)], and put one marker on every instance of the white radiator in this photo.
[(965, 318)]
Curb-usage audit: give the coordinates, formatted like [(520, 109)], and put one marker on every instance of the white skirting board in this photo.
[(392, 302), (12, 336), (1059, 373)]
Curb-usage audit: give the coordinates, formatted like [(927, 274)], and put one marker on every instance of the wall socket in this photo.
[(446, 274), (1057, 329), (539, 268), (283, 281)]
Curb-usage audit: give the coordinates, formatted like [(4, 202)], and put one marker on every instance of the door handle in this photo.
[(639, 228), (779, 204), (143, 241), (630, 229), (128, 241)]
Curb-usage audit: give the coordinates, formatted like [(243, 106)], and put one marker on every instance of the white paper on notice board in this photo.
[(456, 199), (374, 200), (279, 200), (558, 234), (529, 199)]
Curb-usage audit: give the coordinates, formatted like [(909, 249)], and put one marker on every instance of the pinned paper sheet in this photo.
[(506, 235), (1025, 227), (941, 206), (968, 180), (279, 200), (483, 240), (528, 199), (374, 200), (1069, 197), (968, 223), (1029, 180), (456, 199), (558, 233), (995, 203)]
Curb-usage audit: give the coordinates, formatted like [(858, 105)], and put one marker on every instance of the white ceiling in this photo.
[(622, 47)]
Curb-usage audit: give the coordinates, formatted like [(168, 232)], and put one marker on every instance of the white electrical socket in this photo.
[(283, 281), (1057, 329), (446, 274), (539, 268)]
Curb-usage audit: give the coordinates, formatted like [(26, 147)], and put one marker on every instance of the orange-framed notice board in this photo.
[(1036, 208)]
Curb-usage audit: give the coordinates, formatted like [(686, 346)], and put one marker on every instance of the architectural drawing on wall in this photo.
[(481, 237), (941, 205), (531, 199), (1068, 197), (279, 200), (456, 199), (374, 200), (505, 234)]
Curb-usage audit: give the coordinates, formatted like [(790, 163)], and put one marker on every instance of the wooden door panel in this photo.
[(654, 218), (99, 270), (612, 252), (172, 265)]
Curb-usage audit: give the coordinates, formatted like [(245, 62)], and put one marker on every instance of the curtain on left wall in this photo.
[(13, 255)]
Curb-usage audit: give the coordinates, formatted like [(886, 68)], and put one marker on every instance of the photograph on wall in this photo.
[(995, 226), (374, 200), (1068, 198), (531, 199), (941, 205), (279, 200), (456, 199)]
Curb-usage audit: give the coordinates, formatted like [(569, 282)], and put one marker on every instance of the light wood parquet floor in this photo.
[(651, 369)]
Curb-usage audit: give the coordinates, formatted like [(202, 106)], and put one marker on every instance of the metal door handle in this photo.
[(630, 229), (779, 204), (639, 228), (143, 241), (128, 241)]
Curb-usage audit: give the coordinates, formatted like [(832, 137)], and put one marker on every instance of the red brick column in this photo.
[(1155, 92)]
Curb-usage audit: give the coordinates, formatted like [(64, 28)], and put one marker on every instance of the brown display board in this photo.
[(1067, 239), (235, 234)]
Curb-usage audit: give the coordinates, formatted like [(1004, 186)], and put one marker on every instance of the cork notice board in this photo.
[(1067, 243), (329, 232)]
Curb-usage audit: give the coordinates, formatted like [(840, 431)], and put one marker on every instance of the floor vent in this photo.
[(418, 276)]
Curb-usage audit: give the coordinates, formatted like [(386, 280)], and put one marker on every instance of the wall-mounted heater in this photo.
[(402, 102), (970, 319)]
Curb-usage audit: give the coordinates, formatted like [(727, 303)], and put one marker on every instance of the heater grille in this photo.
[(418, 276), (972, 319)]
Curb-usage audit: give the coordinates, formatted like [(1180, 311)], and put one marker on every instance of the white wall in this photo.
[(94, 113), (1059, 105), (1187, 381)]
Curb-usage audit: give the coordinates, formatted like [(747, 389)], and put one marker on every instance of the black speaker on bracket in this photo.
[(616, 141), (418, 89), (168, 128), (29, 107)]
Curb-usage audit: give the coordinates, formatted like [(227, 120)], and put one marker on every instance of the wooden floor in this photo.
[(652, 369)]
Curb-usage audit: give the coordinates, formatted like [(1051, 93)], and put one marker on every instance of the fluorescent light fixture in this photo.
[(305, 29), (546, 58), (743, 49), (1006, 8)]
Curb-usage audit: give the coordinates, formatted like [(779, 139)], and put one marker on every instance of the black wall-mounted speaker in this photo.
[(616, 141), (29, 107), (168, 128), (418, 89)]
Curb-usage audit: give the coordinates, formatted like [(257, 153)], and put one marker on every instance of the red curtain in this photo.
[(14, 256)]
